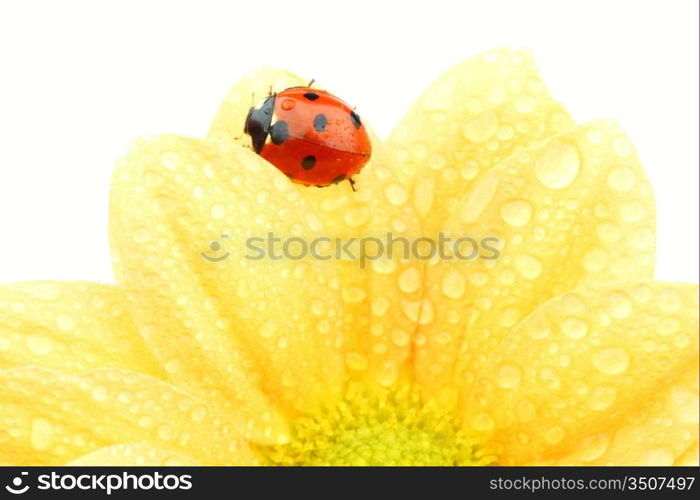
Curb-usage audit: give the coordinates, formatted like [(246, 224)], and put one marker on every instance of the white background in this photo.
[(79, 80)]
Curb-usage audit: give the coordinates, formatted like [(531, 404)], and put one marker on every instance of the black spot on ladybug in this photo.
[(311, 96), (279, 132), (308, 162), (338, 179), (320, 122), (355, 118)]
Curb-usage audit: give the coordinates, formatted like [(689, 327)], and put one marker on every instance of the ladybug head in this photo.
[(257, 123)]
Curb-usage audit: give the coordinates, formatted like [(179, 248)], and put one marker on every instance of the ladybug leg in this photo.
[(311, 82), (352, 184)]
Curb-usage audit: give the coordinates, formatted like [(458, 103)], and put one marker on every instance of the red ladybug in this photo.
[(312, 136)]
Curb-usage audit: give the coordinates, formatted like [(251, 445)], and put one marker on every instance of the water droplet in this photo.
[(453, 284), (620, 305), (400, 338), (268, 329), (218, 211), (41, 437), (526, 410), (171, 161), (602, 397), (380, 305), (538, 328), (356, 361), (508, 375), (478, 278), (528, 266), (525, 104), (608, 232), (165, 432), (199, 413), (481, 127), (554, 435), (384, 265), (621, 178), (668, 326), (517, 213), (479, 198), (388, 374), (611, 360), (65, 322), (558, 166), (593, 447), (354, 294), (427, 312), (509, 317), (396, 194), (482, 422), (409, 280), (574, 328), (356, 218), (660, 457), (632, 211), (622, 146), (669, 300), (39, 344), (549, 377)]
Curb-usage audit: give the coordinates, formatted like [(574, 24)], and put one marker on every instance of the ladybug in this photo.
[(309, 134)]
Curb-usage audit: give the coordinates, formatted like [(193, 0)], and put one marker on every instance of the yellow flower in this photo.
[(560, 351)]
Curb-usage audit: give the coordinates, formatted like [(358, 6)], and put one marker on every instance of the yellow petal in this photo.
[(602, 374), (50, 418), (74, 326), (380, 316), (220, 318), (575, 210), (135, 454), (476, 114)]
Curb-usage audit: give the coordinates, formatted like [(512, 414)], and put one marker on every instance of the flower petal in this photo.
[(380, 316), (135, 454), (473, 116), (573, 211), (600, 375), (226, 318), (74, 326), (50, 418)]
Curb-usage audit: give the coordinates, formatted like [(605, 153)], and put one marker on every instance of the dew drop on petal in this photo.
[(558, 166), (41, 437), (453, 284), (65, 322), (396, 194), (611, 360), (574, 328), (554, 435), (39, 344), (621, 178), (409, 280), (602, 397), (218, 211), (481, 128), (517, 213), (508, 375), (528, 266)]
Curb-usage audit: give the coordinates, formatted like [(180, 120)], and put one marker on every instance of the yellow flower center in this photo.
[(378, 428)]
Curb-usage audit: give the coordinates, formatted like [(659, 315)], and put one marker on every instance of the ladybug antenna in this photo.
[(311, 82)]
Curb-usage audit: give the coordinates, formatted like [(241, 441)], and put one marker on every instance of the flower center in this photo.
[(378, 428)]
